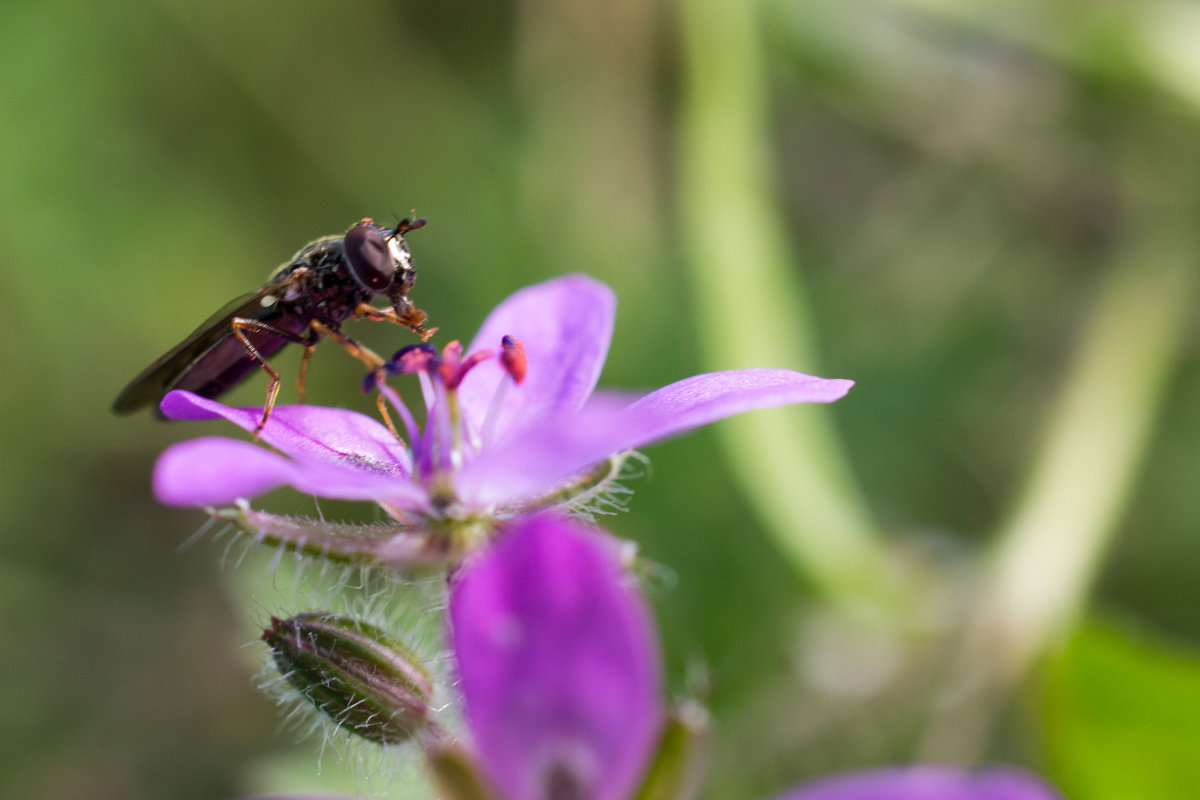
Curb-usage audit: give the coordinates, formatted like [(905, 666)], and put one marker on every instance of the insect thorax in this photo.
[(325, 291)]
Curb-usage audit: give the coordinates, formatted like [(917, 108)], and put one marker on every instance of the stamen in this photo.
[(423, 446), (493, 413), (515, 363), (447, 366), (442, 450), (455, 415), (441, 447), (427, 393), (512, 356), (423, 455), (410, 423), (478, 357), (414, 358)]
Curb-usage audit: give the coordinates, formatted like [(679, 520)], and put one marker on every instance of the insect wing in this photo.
[(156, 379)]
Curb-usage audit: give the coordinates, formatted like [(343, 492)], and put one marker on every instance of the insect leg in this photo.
[(240, 326), (409, 317), (302, 379), (381, 404), (368, 357), (364, 354)]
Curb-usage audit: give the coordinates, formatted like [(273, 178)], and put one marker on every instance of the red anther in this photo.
[(414, 358), (453, 367), (513, 358), (448, 365)]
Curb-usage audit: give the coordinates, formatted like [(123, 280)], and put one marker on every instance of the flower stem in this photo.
[(1049, 550)]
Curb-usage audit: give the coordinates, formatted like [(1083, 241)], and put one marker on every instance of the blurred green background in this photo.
[(985, 214)]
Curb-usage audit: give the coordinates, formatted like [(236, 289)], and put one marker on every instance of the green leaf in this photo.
[(1123, 716)]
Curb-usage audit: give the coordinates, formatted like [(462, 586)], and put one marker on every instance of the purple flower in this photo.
[(910, 783), (558, 664), (502, 435), (559, 672), (928, 783)]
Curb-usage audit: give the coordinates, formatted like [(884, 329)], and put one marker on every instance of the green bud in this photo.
[(364, 680)]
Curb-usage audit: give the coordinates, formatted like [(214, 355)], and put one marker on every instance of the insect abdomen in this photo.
[(227, 363)]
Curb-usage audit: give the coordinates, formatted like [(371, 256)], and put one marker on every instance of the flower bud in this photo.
[(363, 679)]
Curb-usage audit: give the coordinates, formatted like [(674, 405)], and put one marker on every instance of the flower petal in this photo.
[(566, 326), (306, 433), (928, 783), (214, 471), (556, 448), (702, 399), (558, 664)]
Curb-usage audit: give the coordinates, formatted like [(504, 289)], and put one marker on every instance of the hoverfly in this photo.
[(308, 297)]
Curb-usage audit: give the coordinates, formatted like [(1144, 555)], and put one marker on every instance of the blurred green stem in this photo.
[(752, 308), (1048, 552), (587, 165)]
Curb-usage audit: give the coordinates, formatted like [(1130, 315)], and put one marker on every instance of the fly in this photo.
[(305, 299)]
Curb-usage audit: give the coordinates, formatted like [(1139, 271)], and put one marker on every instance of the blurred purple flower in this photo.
[(906, 783), (558, 663), (927, 783), (559, 671), (497, 440)]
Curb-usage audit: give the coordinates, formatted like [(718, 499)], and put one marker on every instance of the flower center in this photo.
[(448, 439)]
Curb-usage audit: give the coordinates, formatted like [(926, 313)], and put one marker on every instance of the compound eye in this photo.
[(368, 258)]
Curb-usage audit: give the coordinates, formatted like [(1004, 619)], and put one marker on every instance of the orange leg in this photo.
[(364, 354), (240, 326), (410, 317), (302, 380), (368, 357)]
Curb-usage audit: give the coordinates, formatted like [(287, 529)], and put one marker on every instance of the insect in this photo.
[(305, 299)]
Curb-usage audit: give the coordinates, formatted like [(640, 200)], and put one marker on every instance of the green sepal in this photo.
[(677, 772), (396, 545), (456, 774)]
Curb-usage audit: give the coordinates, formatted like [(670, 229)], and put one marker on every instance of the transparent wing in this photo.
[(153, 382)]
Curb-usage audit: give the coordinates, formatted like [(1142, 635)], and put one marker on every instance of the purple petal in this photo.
[(928, 783), (215, 471), (558, 664), (702, 399), (565, 325), (556, 448), (306, 433)]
